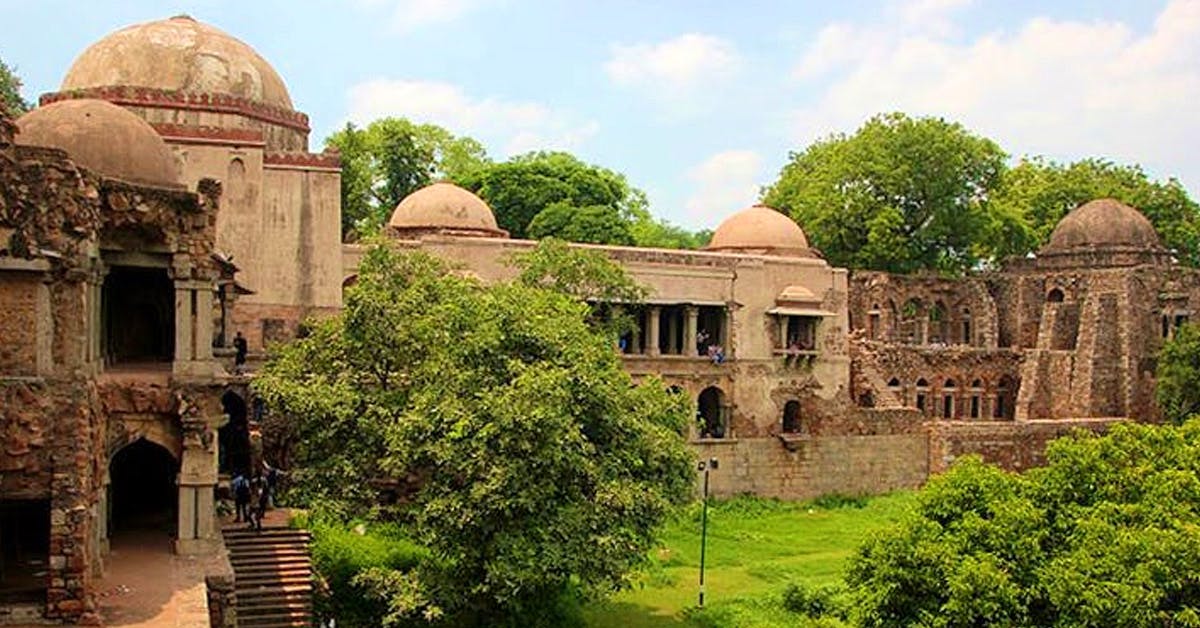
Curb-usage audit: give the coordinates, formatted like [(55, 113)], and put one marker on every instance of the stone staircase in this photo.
[(273, 575)]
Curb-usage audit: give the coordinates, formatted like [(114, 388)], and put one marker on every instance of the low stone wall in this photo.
[(1014, 446), (222, 595), (803, 467)]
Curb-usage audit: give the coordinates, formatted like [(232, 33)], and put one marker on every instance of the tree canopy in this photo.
[(10, 91), (1177, 375), (1042, 192), (389, 159), (520, 189), (1105, 535), (900, 194), (521, 454)]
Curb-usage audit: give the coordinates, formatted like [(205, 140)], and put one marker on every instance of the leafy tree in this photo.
[(1105, 535), (901, 194), (522, 455), (1044, 191), (1178, 375), (391, 158), (519, 189), (10, 91), (594, 224)]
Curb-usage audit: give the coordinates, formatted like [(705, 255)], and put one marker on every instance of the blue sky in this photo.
[(699, 102)]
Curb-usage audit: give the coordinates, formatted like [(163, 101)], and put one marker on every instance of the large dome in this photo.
[(1102, 224), (760, 229), (178, 54), (446, 208), (102, 137)]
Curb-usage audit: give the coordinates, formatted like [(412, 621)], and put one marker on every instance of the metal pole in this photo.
[(703, 533)]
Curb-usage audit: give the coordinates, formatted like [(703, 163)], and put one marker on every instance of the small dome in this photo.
[(1103, 223), (178, 54), (760, 229), (104, 138), (444, 207)]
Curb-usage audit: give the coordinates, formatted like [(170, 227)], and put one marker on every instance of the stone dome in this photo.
[(1102, 224), (444, 208), (104, 138), (178, 54), (760, 229)]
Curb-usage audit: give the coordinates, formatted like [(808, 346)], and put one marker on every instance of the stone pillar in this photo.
[(197, 483), (783, 325), (653, 316), (690, 324), (204, 323), (184, 339)]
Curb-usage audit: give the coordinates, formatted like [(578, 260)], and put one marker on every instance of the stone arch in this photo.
[(939, 323), (1006, 398), (949, 391), (142, 489), (964, 325), (234, 454), (1055, 295), (711, 413), (975, 409), (161, 432), (922, 395), (912, 321)]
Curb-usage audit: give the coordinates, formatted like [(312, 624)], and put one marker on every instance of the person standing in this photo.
[(241, 348), (241, 498)]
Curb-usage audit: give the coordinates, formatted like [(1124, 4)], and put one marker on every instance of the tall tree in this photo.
[(528, 462), (10, 91), (391, 158), (593, 224), (900, 194), (1044, 191), (524, 186), (1178, 375)]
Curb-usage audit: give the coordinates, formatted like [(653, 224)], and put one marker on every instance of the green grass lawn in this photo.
[(755, 548)]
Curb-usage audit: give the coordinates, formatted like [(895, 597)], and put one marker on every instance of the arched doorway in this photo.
[(711, 411), (791, 417), (234, 436), (144, 495)]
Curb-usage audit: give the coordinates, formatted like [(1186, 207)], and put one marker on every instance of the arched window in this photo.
[(938, 325), (711, 413), (873, 322), (922, 393), (1005, 398), (791, 418), (966, 327), (976, 398), (912, 328), (1055, 296), (948, 399)]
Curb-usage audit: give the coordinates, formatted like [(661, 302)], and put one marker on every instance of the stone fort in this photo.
[(165, 198)]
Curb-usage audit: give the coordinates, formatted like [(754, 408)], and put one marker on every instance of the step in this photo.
[(281, 591), (274, 560), (267, 607)]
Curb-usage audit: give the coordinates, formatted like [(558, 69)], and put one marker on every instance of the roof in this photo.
[(104, 138), (760, 229), (1102, 223), (444, 207), (178, 54)]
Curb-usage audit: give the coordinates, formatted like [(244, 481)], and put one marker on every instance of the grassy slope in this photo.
[(755, 548)]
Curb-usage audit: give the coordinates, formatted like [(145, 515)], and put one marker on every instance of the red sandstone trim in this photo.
[(208, 133), (168, 99), (332, 161)]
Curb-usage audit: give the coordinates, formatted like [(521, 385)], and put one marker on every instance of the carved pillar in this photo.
[(673, 334), (653, 314), (184, 339), (204, 322), (197, 482), (690, 324)]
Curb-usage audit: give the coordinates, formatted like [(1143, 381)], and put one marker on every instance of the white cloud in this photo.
[(513, 126), (722, 184), (1068, 89), (674, 68)]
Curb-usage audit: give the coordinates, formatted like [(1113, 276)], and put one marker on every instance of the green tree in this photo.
[(1044, 191), (594, 224), (522, 454), (900, 194), (1178, 375), (1104, 535), (391, 158), (10, 91), (522, 187)]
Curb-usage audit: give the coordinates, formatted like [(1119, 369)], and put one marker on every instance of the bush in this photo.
[(815, 602), (835, 501)]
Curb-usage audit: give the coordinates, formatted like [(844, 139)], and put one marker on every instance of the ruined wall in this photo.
[(1012, 446)]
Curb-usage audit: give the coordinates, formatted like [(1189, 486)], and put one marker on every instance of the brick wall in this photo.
[(18, 323)]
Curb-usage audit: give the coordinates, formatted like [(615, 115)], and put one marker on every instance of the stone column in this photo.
[(690, 324), (204, 323), (653, 316), (184, 339), (197, 482), (783, 329)]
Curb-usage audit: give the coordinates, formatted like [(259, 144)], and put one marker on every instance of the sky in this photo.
[(698, 102)]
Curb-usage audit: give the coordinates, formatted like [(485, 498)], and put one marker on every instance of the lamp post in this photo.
[(705, 466)]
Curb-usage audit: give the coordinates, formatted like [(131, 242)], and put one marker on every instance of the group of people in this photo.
[(252, 496)]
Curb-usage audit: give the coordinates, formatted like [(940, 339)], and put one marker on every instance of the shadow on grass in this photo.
[(611, 614)]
